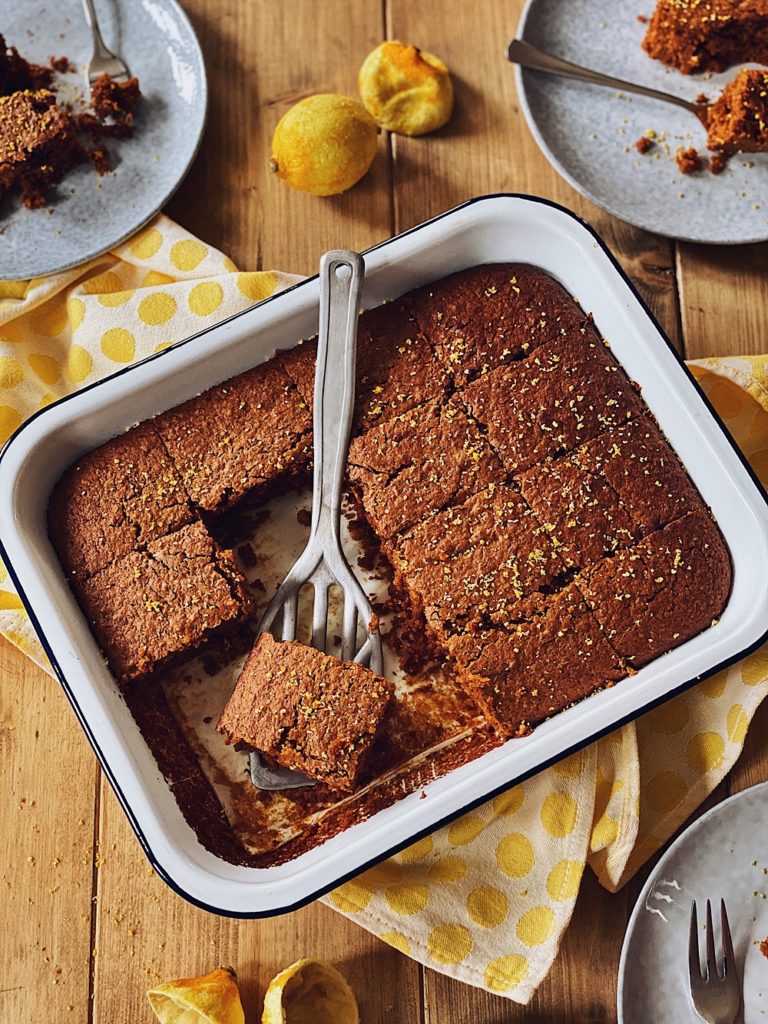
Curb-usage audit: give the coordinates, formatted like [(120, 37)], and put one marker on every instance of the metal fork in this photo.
[(529, 56), (716, 992), (103, 61), (322, 563)]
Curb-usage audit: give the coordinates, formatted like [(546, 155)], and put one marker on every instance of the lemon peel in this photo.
[(405, 89), (211, 999), (324, 144), (310, 992)]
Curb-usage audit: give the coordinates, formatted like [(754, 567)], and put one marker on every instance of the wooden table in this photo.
[(86, 925)]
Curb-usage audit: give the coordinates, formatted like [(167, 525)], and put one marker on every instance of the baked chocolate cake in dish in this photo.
[(541, 536)]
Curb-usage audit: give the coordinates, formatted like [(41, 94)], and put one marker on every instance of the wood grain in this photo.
[(47, 803), (724, 297), (146, 933), (261, 58)]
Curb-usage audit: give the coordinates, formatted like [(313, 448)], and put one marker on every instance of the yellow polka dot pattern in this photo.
[(465, 830), (205, 298), (406, 899), (449, 943), (487, 898), (535, 926), (488, 907), (447, 869), (563, 880), (188, 253), (156, 308), (118, 345), (515, 855), (11, 372)]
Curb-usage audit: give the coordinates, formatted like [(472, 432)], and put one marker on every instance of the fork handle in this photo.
[(99, 47), (529, 56), (341, 280)]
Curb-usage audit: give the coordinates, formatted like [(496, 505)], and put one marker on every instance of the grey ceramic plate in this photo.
[(87, 214), (723, 854), (588, 132)]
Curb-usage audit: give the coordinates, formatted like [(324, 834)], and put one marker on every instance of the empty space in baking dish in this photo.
[(486, 230), (433, 727)]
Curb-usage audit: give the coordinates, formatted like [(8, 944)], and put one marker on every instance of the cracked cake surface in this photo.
[(154, 606), (417, 463), (472, 563)]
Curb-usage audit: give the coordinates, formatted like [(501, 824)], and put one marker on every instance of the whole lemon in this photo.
[(405, 89), (324, 144)]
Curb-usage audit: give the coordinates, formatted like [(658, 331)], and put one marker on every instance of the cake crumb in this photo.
[(717, 163), (688, 160)]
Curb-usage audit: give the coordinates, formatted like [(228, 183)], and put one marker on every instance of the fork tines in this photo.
[(715, 990)]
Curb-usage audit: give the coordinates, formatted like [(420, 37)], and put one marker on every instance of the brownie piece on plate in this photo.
[(738, 120), (471, 564), (708, 35), (307, 710), (38, 144), (550, 656), (17, 74), (664, 590), (492, 314), (243, 438), (157, 607), (114, 103), (415, 464), (610, 492), (565, 393), (114, 499)]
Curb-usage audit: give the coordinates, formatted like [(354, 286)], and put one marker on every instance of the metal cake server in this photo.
[(322, 564), (529, 56)]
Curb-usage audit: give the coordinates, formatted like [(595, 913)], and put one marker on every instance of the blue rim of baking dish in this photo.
[(304, 901)]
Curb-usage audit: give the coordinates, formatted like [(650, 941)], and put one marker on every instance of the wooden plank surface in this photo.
[(724, 298), (47, 825), (261, 58), (146, 933)]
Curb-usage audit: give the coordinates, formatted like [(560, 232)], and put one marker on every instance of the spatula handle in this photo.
[(341, 280)]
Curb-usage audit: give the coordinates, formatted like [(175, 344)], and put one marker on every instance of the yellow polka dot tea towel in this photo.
[(62, 332), (488, 898)]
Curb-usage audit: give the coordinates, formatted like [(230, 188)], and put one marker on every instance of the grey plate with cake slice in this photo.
[(588, 133), (87, 214)]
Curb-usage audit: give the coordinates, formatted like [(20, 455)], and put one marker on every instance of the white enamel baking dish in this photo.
[(492, 228)]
